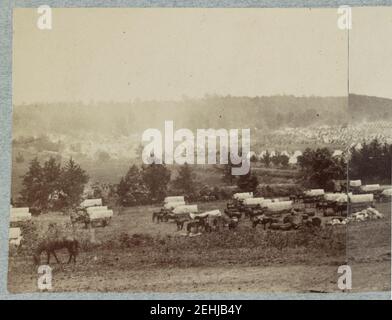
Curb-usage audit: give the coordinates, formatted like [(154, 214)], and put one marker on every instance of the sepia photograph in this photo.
[(201, 150)]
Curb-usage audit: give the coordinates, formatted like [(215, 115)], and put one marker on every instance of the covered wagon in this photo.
[(91, 203), (386, 195), (15, 236), (19, 215), (172, 199), (173, 205), (360, 201)]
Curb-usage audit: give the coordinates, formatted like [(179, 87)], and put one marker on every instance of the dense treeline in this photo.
[(50, 186), (372, 162)]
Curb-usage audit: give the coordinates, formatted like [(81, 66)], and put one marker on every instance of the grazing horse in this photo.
[(50, 247)]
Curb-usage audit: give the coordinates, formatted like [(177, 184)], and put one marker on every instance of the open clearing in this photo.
[(199, 265)]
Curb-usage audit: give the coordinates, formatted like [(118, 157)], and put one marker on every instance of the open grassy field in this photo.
[(135, 254)]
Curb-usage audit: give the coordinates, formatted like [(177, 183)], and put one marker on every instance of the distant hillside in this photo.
[(369, 108), (213, 111)]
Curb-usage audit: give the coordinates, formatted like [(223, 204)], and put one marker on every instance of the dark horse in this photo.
[(197, 224), (50, 247)]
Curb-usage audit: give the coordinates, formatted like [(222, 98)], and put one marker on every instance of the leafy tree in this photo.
[(247, 182), (266, 159), (185, 180), (50, 186), (51, 182), (156, 177), (226, 171), (319, 168), (284, 160), (73, 179), (275, 159), (253, 158), (131, 190), (372, 162), (32, 194)]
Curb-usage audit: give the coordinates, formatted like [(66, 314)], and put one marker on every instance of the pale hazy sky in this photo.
[(125, 54), (371, 51)]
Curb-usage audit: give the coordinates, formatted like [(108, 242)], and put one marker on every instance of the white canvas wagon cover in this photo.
[(314, 192), (253, 201), (279, 206), (174, 199), (173, 205), (370, 187), (186, 209), (20, 214), (243, 195), (15, 233), (360, 198), (355, 183), (91, 203), (212, 213), (101, 214), (387, 192), (96, 209)]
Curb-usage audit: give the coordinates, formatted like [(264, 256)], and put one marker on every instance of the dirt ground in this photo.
[(368, 252)]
